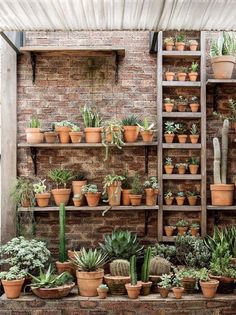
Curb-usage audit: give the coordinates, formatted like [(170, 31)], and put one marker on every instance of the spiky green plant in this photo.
[(62, 235), (194, 130), (145, 126), (180, 38), (34, 123), (194, 67), (131, 120), (91, 117), (136, 186), (146, 265), (90, 260), (133, 272), (225, 44), (60, 176), (120, 267)]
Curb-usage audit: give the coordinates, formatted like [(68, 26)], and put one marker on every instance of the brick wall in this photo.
[(63, 85)]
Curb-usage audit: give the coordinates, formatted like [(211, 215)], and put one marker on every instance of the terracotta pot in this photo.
[(76, 188), (194, 231), (182, 230), (180, 46), (164, 292), (53, 293), (189, 285), (65, 266), (194, 107), (182, 107), (50, 137), (193, 47), (178, 292), (147, 135), (193, 168), (116, 284), (93, 199), (182, 138), (170, 76), (25, 203), (223, 66), (93, 135), (169, 138), (169, 230), (76, 136), (169, 201), (155, 280), (169, 107), (61, 195), (146, 288), (180, 200), (226, 285), (125, 197), (133, 290), (181, 169), (102, 293), (12, 288), (151, 196), (135, 200), (34, 135), (64, 134), (42, 199), (194, 138), (114, 194), (181, 76), (169, 169), (169, 47), (131, 133), (192, 200), (77, 202), (222, 194), (88, 282), (193, 76), (234, 126), (209, 288)]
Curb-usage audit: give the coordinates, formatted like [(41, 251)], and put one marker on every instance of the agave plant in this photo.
[(90, 260), (224, 45)]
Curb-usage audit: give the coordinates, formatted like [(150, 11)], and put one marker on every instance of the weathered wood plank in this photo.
[(182, 177)]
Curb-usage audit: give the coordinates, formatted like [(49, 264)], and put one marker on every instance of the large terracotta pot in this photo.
[(50, 137), (226, 285), (170, 76), (192, 200), (193, 76), (42, 199), (116, 284), (76, 188), (114, 194), (194, 107), (223, 66), (12, 288), (181, 76), (135, 200), (194, 138), (169, 107), (147, 135), (131, 133), (178, 292), (169, 169), (193, 168), (61, 195), (34, 135), (125, 197), (76, 136), (146, 288), (180, 46), (93, 135), (65, 266), (88, 282), (93, 199), (151, 196), (64, 134), (222, 194), (169, 230), (53, 293), (133, 290), (169, 138)]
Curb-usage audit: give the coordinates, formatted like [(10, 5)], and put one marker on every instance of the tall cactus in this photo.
[(133, 272), (217, 157), (62, 236), (225, 132), (146, 265)]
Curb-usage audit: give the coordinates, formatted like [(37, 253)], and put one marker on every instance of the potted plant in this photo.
[(102, 291), (41, 195), (169, 230), (151, 189), (194, 133), (75, 134), (182, 103), (193, 71), (48, 285), (61, 177), (63, 128), (181, 132), (182, 74), (77, 200), (92, 124), (146, 130), (180, 198), (136, 191), (112, 187), (181, 167), (208, 286), (165, 285), (12, 281), (182, 226), (169, 131), (169, 197), (193, 44), (33, 132), (232, 115), (188, 278), (180, 41), (194, 229), (23, 192), (221, 193), (169, 43), (169, 75), (92, 194), (193, 164), (146, 284), (194, 104), (50, 136), (131, 128), (177, 287), (90, 273), (158, 266), (169, 104), (126, 189), (134, 287), (112, 134), (192, 197), (169, 166), (77, 184), (222, 55)]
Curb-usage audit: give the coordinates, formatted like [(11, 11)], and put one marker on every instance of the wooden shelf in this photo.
[(220, 81), (81, 145), (182, 115), (181, 54), (223, 208), (182, 208), (181, 146), (182, 83), (168, 239), (182, 177)]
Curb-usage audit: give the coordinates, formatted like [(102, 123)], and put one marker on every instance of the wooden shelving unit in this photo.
[(162, 56)]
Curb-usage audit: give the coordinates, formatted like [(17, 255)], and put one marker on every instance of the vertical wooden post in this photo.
[(8, 139)]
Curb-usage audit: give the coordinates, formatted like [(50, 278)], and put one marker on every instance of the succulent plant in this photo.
[(146, 265), (159, 266), (133, 272), (120, 267)]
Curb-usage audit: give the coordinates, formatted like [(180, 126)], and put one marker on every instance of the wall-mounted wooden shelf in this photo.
[(221, 208), (81, 145), (187, 146), (181, 54), (182, 177), (182, 208), (168, 239), (220, 81), (182, 115), (181, 83)]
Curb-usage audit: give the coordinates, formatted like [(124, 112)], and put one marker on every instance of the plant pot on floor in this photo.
[(116, 284), (189, 284), (114, 194), (223, 66), (63, 133), (93, 199), (42, 199), (146, 288), (62, 267), (12, 288), (209, 288), (93, 134), (88, 282), (133, 290), (102, 293), (147, 135), (34, 135), (131, 133), (169, 230), (178, 292), (76, 136), (194, 107), (135, 200), (226, 285), (164, 292), (61, 195), (222, 194), (50, 137), (151, 196), (169, 138), (126, 197)]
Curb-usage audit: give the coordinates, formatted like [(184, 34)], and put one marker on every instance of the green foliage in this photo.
[(75, 128), (168, 100), (121, 245), (90, 260), (110, 180), (169, 127), (168, 161), (203, 274), (166, 251), (194, 67), (195, 225), (166, 281), (181, 100), (180, 194), (91, 117), (23, 189), (159, 266), (103, 287), (120, 267), (34, 123), (169, 40), (133, 272), (151, 183), (194, 130), (136, 186), (14, 273), (187, 273), (193, 160), (177, 281), (181, 128), (63, 123), (182, 223), (192, 193), (185, 165), (60, 176), (126, 183), (89, 188), (168, 194), (145, 126), (40, 187), (146, 265), (224, 45), (180, 38), (232, 116), (131, 120), (62, 234), (193, 99)]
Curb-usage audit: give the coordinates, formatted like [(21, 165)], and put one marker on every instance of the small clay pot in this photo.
[(169, 47), (209, 288), (50, 137), (180, 46), (63, 133), (125, 196), (146, 288), (25, 203), (194, 231), (194, 138), (133, 290), (193, 168), (181, 169), (131, 133), (76, 188), (114, 194), (164, 292), (193, 47), (182, 230), (102, 293), (151, 196), (178, 292), (194, 107), (77, 202), (34, 135), (169, 107), (76, 136), (42, 199), (169, 138), (181, 76), (147, 135), (180, 200), (135, 200), (169, 169), (12, 288), (169, 201), (62, 267), (93, 135), (182, 138), (192, 200), (61, 195), (182, 107), (169, 230), (93, 199), (193, 76), (170, 76)]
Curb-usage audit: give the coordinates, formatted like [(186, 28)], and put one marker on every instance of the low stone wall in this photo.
[(149, 305)]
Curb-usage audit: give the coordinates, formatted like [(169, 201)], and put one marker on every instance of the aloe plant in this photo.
[(91, 117), (34, 123), (225, 44), (90, 260), (60, 176)]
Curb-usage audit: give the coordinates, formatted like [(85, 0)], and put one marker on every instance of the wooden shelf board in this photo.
[(78, 50), (182, 208), (181, 146), (182, 177), (86, 208), (181, 54), (181, 83), (81, 145), (220, 81), (168, 239), (181, 115), (223, 208)]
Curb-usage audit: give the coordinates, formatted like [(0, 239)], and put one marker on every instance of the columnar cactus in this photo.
[(133, 272), (146, 265), (120, 267), (159, 266), (217, 158), (62, 237)]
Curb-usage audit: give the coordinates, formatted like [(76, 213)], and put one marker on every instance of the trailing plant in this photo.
[(145, 126), (89, 188), (146, 265), (131, 120), (40, 187), (23, 190), (90, 260), (180, 38), (133, 272), (91, 117), (60, 176), (14, 273), (182, 223), (193, 160), (62, 235), (194, 67), (136, 186), (225, 44), (168, 161), (194, 130), (34, 123), (151, 183), (110, 180), (168, 194), (166, 281), (169, 40), (169, 127)]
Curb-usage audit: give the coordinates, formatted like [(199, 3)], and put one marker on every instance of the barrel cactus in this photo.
[(120, 267), (159, 266)]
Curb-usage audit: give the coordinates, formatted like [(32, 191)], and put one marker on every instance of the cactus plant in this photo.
[(217, 158), (120, 267), (146, 265), (159, 266), (133, 272), (62, 237)]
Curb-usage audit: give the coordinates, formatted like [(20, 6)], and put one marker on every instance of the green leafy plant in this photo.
[(131, 120), (193, 99), (182, 223), (63, 123), (91, 117), (170, 127), (194, 67), (177, 281), (34, 123), (185, 165), (180, 194), (182, 69), (187, 273), (146, 265), (151, 183), (40, 187), (203, 274), (145, 126), (103, 287), (194, 130), (193, 42), (168, 161), (168, 194), (60, 176), (225, 44), (169, 40), (90, 260), (166, 251), (193, 160), (168, 100), (195, 225), (14, 273), (181, 129), (220, 264), (126, 183), (89, 188), (75, 128), (166, 281), (181, 100), (180, 38), (110, 180), (191, 193), (23, 190), (136, 186)]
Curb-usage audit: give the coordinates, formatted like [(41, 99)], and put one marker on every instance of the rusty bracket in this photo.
[(146, 221), (33, 64), (33, 154), (146, 153), (117, 67)]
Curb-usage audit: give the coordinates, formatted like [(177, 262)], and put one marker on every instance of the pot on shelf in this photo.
[(151, 196), (34, 135), (193, 168), (193, 76), (76, 188), (63, 133), (182, 138), (193, 47), (125, 193), (93, 134), (169, 169), (42, 199), (88, 282), (181, 169), (135, 200), (222, 194), (169, 138), (76, 136), (170, 76), (182, 107), (131, 133), (50, 136), (192, 200), (169, 47), (114, 194), (169, 230), (12, 288), (194, 231), (180, 46), (61, 195), (194, 138), (77, 202), (25, 203), (180, 200), (93, 199), (133, 290), (182, 230), (178, 292), (194, 107), (147, 135), (169, 201), (181, 76), (223, 66), (169, 107)]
